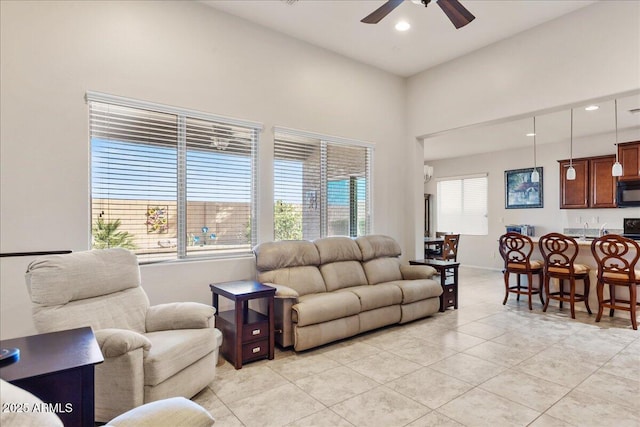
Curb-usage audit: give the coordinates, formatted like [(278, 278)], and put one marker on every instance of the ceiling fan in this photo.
[(456, 12)]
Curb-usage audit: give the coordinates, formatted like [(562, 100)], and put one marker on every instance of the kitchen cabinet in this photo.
[(629, 155), (594, 187)]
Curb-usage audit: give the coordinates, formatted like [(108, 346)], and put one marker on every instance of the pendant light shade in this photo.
[(571, 172), (535, 176), (616, 169)]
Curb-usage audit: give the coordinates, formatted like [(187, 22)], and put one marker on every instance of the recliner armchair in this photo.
[(151, 352)]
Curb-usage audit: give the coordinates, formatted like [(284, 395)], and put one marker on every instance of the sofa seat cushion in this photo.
[(416, 290), (376, 296), (172, 351), (318, 308)]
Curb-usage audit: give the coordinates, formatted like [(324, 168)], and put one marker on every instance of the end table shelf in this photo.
[(247, 334)]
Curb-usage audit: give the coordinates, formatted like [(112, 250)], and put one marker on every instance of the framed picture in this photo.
[(520, 192)]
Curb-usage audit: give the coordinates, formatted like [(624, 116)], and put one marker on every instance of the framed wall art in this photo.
[(520, 192)]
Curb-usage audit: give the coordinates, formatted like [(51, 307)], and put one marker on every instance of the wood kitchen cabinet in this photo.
[(594, 187), (629, 155)]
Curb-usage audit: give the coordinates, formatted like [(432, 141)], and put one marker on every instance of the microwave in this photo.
[(524, 229), (628, 193)]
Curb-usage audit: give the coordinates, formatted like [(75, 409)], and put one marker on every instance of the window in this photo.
[(321, 186), (462, 205), (170, 183)]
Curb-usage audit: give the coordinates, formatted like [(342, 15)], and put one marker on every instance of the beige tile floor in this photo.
[(484, 364)]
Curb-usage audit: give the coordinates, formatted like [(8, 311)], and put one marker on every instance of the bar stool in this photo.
[(617, 257), (516, 250), (559, 253)]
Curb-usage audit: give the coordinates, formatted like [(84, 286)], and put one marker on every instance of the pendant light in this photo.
[(571, 172), (535, 176), (616, 169)]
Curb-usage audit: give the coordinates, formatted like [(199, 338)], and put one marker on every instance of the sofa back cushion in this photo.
[(377, 246), (340, 262), (380, 258), (292, 263)]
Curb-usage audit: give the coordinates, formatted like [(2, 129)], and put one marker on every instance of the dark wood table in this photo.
[(435, 242), (448, 271), (247, 335), (58, 368)]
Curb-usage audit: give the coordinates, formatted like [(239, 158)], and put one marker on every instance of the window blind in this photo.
[(321, 188), (462, 205), (169, 185)]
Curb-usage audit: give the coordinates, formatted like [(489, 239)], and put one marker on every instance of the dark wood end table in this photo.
[(247, 334), (58, 368), (448, 271)]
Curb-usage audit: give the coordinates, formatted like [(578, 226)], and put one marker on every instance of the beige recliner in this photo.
[(151, 352)]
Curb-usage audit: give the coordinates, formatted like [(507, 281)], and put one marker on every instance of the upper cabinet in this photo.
[(629, 155), (594, 187)]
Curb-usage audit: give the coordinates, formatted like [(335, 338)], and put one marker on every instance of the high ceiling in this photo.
[(432, 39)]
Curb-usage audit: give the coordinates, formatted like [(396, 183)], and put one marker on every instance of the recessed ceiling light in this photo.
[(591, 108), (530, 134), (402, 26)]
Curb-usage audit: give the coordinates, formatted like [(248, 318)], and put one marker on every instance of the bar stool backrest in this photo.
[(617, 257), (559, 252), (516, 250), (450, 247)]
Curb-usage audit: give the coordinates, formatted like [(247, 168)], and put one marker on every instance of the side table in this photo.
[(448, 271), (58, 368), (247, 334)]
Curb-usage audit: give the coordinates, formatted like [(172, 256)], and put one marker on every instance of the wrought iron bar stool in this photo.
[(559, 253), (516, 250), (617, 258)]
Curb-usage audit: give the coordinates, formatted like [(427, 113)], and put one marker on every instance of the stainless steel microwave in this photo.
[(628, 193)]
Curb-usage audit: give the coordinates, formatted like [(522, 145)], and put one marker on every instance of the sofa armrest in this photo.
[(283, 291), (179, 315), (116, 342), (413, 272)]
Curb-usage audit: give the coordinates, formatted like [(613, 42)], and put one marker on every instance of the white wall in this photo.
[(591, 53), (176, 53)]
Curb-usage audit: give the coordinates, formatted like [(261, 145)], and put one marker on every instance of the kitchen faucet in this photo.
[(584, 231), (602, 231)]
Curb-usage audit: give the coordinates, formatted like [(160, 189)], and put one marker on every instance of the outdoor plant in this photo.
[(106, 235)]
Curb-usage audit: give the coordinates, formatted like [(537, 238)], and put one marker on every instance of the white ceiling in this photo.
[(335, 25)]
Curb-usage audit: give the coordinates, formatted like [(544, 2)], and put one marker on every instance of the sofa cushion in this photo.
[(380, 270), (285, 254), (172, 351), (317, 308), (338, 248), (304, 280), (416, 290), (343, 274), (376, 246), (376, 296)]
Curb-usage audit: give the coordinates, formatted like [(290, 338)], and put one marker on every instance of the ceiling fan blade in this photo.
[(377, 15), (456, 12)]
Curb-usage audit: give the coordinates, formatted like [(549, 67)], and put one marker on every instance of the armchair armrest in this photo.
[(116, 342), (179, 315), (413, 272)]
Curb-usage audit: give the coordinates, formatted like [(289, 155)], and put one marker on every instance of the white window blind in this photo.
[(462, 205), (321, 187), (169, 185)]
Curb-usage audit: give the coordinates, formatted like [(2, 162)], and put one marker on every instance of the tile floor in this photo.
[(483, 365)]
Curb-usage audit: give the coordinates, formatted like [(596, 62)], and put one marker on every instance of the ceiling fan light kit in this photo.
[(457, 13)]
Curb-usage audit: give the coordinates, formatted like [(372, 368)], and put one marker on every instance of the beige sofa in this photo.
[(337, 287)]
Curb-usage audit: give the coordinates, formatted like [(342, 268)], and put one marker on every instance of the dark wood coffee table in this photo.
[(247, 335), (58, 368), (448, 271)]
